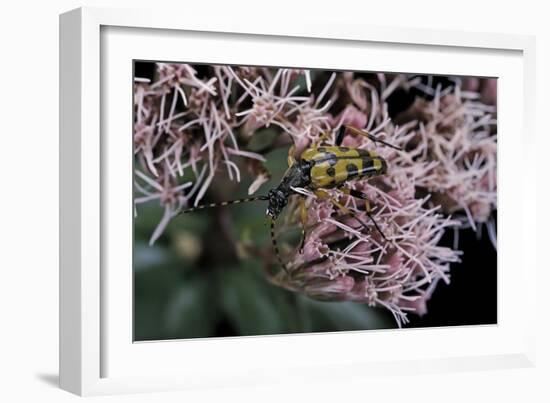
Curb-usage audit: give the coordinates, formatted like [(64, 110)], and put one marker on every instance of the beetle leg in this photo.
[(370, 136), (322, 139), (323, 194), (303, 219), (360, 195), (291, 160)]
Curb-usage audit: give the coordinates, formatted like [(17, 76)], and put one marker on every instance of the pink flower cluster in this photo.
[(445, 175), (458, 131)]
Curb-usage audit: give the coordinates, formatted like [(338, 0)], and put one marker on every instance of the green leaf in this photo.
[(152, 289), (261, 139), (249, 305), (148, 257), (190, 312), (344, 316)]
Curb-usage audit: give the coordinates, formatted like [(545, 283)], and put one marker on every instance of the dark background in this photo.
[(471, 296)]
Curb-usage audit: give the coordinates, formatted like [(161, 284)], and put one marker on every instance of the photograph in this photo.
[(276, 200)]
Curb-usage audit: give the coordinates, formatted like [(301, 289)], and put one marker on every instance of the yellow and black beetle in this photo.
[(319, 168)]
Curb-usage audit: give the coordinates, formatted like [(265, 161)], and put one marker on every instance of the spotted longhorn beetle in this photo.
[(319, 168)]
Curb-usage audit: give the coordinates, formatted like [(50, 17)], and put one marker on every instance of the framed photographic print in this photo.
[(369, 181), (235, 204)]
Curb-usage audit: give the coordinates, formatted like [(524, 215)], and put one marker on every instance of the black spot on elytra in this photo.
[(352, 170), (368, 167), (367, 163), (321, 149), (331, 158), (331, 171)]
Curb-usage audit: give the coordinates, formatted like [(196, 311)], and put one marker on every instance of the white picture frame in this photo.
[(96, 354)]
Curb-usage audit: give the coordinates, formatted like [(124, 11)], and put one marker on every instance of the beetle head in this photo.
[(277, 202)]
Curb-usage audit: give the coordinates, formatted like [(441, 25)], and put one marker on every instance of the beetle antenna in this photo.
[(276, 247), (372, 137), (223, 204)]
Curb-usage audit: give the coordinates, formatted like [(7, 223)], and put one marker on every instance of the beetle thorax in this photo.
[(296, 176)]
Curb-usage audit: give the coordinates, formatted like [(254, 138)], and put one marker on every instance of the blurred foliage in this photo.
[(194, 282)]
